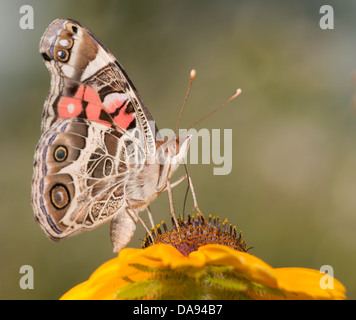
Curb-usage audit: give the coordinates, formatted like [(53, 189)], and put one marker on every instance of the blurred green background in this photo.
[(292, 189)]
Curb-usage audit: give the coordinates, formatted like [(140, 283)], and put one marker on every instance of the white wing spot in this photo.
[(64, 42), (70, 108)]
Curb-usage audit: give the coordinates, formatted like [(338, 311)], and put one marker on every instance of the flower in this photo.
[(210, 271)]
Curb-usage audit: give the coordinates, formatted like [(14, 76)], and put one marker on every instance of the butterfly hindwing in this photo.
[(79, 177)]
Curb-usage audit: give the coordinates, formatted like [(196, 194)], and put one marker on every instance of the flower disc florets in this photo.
[(195, 232)]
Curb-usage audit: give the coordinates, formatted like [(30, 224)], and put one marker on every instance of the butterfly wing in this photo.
[(88, 82), (79, 177), (80, 169)]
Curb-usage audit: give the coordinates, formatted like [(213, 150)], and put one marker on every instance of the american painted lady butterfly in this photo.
[(99, 158)]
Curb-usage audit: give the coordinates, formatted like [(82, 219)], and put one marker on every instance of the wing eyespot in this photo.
[(60, 153), (59, 195), (62, 55)]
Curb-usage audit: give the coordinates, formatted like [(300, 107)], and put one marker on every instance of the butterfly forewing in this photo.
[(88, 82)]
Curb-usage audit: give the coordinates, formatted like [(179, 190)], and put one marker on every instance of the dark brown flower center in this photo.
[(196, 232)]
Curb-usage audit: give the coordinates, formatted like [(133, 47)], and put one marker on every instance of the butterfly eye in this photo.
[(60, 196), (60, 154), (62, 55)]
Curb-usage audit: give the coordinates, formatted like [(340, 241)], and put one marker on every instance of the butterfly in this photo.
[(100, 157)]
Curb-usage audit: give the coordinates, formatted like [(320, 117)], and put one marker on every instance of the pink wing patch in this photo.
[(94, 107), (119, 101), (72, 107), (123, 119), (69, 107), (114, 101)]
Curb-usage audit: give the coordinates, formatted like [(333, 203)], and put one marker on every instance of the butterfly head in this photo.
[(173, 151)]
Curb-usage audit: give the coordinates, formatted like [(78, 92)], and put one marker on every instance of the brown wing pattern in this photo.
[(80, 169)]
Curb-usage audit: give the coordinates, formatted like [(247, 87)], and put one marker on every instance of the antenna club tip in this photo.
[(238, 91), (193, 73)]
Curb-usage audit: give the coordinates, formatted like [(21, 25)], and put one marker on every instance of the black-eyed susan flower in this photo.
[(200, 259)]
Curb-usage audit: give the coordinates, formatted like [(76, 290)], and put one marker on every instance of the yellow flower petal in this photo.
[(295, 283), (105, 281), (254, 268), (305, 283)]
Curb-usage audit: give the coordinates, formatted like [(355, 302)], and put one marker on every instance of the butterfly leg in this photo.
[(145, 226), (174, 184), (194, 195), (137, 216), (170, 197), (150, 216), (191, 187)]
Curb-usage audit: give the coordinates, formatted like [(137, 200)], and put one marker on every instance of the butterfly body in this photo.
[(98, 158)]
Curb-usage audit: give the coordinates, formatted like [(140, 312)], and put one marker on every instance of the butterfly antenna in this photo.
[(192, 76), (238, 91)]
